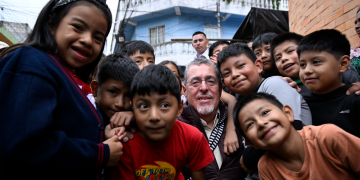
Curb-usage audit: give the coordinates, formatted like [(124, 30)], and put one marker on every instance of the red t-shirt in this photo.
[(145, 160), (83, 86)]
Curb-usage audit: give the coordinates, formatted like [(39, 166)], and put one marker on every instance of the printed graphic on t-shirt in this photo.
[(162, 170)]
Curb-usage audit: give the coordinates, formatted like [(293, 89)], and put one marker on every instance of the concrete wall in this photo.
[(156, 5), (306, 16)]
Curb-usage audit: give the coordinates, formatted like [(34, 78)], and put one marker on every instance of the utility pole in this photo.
[(218, 17), (114, 29), (120, 36)]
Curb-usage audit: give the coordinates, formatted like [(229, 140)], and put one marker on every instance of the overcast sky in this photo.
[(26, 11)]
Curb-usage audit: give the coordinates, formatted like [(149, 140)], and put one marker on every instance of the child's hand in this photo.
[(116, 150), (119, 132), (213, 58), (291, 83), (354, 88), (108, 132), (122, 118), (231, 143)]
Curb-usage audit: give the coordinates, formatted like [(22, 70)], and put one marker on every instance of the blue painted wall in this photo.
[(142, 29), (184, 26)]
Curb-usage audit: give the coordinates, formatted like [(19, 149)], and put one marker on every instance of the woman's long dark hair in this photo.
[(42, 38)]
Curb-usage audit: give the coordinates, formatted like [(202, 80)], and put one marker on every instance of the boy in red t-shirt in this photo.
[(162, 145)]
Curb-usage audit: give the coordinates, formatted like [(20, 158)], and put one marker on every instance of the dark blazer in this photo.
[(230, 168), (48, 127)]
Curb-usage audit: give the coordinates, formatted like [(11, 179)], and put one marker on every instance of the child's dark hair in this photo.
[(215, 44), (173, 63), (287, 36), (130, 48), (265, 38), (235, 49), (244, 100), (50, 16), (177, 69), (155, 78), (117, 67), (250, 41), (199, 32), (329, 40)]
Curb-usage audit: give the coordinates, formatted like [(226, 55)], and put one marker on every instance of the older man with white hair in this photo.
[(205, 111)]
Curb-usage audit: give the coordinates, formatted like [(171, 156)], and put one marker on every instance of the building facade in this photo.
[(168, 25), (307, 16), (12, 33)]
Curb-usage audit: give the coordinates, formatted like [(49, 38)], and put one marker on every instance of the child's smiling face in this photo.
[(286, 59), (265, 125), (240, 74), (321, 72), (80, 35)]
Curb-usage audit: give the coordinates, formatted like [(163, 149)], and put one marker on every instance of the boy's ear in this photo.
[(184, 90), (344, 63), (248, 142), (289, 113), (259, 66), (94, 87), (180, 109)]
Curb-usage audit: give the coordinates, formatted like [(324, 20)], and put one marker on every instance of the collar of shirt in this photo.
[(203, 55), (216, 120)]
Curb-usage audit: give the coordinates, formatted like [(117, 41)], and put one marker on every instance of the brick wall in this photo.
[(306, 16)]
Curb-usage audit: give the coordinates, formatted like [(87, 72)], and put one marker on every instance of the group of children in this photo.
[(320, 63), (59, 127), (123, 124)]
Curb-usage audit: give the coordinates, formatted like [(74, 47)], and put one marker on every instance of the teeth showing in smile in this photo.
[(287, 66), (203, 98), (80, 52)]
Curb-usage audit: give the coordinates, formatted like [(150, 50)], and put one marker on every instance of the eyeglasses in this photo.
[(196, 82)]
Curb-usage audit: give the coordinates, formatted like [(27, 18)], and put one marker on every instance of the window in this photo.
[(157, 35), (211, 31)]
